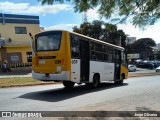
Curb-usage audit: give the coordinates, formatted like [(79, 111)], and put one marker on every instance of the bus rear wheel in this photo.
[(95, 83), (68, 84), (120, 82)]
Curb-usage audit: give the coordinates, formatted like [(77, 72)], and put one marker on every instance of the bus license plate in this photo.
[(42, 62)]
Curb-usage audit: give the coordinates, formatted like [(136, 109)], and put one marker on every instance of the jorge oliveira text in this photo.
[(145, 114)]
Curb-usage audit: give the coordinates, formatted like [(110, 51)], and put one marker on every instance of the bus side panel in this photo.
[(75, 73), (124, 70), (106, 70), (67, 52)]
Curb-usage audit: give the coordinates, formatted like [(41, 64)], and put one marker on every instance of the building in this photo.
[(14, 37), (130, 40)]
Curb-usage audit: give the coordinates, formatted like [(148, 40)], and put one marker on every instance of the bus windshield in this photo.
[(48, 41)]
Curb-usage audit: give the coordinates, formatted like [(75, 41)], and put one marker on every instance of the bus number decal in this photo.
[(74, 61), (57, 61)]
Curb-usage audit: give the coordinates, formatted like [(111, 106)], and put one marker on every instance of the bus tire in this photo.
[(89, 85), (68, 84), (96, 81), (120, 82)]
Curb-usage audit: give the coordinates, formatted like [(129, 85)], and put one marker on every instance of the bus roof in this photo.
[(90, 38), (99, 41)]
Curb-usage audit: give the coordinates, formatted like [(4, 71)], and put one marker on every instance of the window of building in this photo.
[(14, 58), (20, 30), (29, 56)]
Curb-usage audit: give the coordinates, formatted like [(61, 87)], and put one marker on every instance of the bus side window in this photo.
[(93, 56), (74, 46), (92, 46), (106, 57), (98, 47), (123, 58), (100, 56), (103, 49), (111, 58)]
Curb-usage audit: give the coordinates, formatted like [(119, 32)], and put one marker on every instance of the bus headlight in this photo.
[(58, 68)]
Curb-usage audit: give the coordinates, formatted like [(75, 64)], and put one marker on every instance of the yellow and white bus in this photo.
[(74, 58)]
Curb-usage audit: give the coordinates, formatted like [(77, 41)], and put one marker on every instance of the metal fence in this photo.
[(19, 68)]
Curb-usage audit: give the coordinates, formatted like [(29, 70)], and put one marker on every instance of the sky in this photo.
[(62, 16)]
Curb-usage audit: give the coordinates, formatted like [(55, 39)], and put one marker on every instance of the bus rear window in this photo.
[(48, 41)]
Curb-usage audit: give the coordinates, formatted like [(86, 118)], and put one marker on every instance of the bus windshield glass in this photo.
[(48, 41)]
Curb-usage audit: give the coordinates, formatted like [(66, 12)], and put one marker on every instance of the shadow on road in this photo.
[(59, 94)]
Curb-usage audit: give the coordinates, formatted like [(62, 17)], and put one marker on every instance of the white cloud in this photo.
[(92, 14), (61, 27), (151, 32), (26, 8)]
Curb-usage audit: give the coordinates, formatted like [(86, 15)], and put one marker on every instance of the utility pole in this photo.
[(84, 17)]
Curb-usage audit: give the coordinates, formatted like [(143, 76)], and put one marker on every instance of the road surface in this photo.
[(142, 70), (140, 93)]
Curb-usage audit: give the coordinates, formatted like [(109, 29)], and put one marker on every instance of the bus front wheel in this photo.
[(68, 84)]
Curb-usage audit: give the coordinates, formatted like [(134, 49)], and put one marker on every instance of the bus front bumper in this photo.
[(65, 75)]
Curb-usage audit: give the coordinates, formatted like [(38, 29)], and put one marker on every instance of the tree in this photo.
[(85, 28), (143, 12), (142, 46), (109, 33)]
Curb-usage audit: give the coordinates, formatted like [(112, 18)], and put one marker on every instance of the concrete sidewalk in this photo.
[(11, 75)]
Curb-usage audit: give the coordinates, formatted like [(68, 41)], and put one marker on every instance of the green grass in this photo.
[(11, 82)]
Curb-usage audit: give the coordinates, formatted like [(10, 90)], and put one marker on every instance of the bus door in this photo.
[(117, 64), (84, 57)]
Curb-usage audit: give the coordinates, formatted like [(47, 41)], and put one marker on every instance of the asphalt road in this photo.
[(140, 93)]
